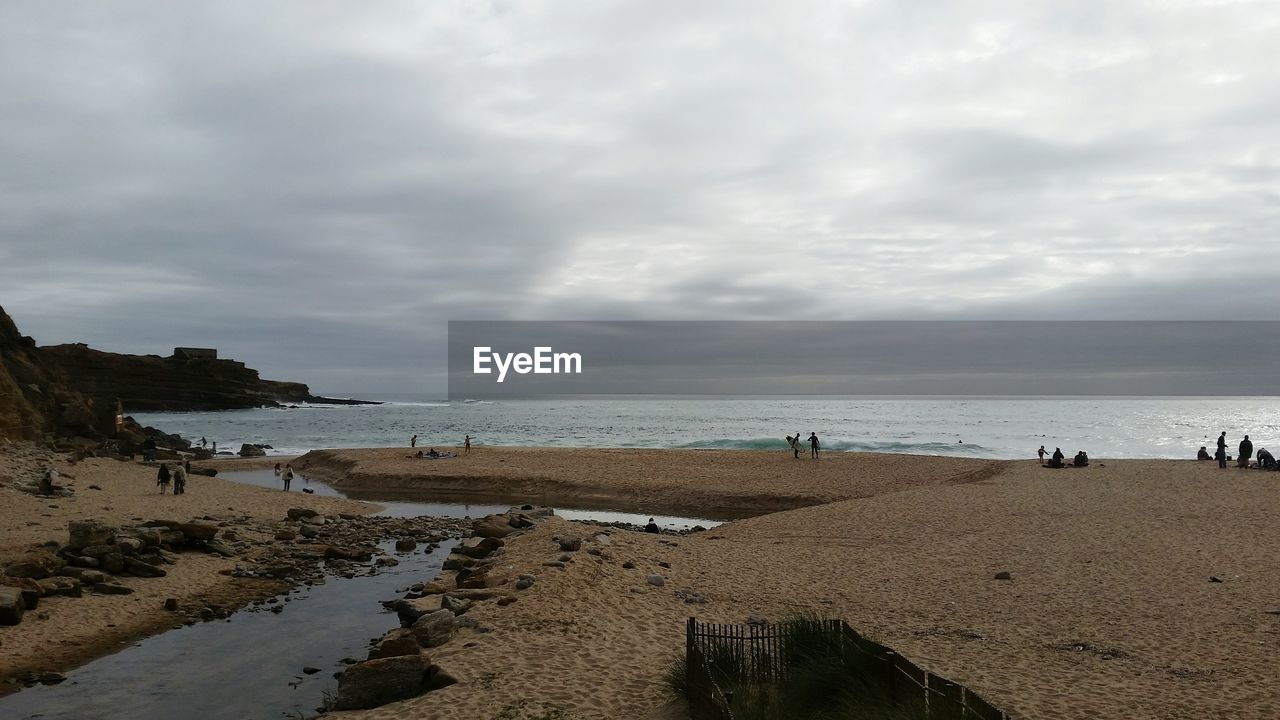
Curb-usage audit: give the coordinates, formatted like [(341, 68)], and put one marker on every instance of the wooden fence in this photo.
[(760, 654)]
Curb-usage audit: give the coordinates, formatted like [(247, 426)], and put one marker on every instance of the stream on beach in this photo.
[(250, 666)]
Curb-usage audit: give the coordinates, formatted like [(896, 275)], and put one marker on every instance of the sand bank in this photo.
[(701, 483), (1110, 612)]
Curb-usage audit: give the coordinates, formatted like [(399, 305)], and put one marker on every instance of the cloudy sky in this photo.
[(317, 187)]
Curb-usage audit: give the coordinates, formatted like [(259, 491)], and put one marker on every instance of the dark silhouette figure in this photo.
[(180, 480), (413, 441), (651, 527), (1246, 452), (162, 477), (1222, 449), (1265, 460), (1056, 460), (203, 442), (813, 445), (287, 476), (1203, 454), (1041, 452), (1081, 459), (466, 445), (277, 469)]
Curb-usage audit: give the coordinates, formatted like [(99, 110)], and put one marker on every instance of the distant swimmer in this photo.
[(813, 445)]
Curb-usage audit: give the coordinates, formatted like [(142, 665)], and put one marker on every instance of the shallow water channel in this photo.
[(250, 666)]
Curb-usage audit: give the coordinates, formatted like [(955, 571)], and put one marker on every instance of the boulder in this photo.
[(200, 532), (29, 588), (406, 545), (456, 605), (247, 450), (220, 548), (84, 562), (113, 563), (434, 629), (286, 535), (12, 606), (299, 513), (478, 547), (492, 526), (656, 580), (142, 569), (457, 562), (89, 532), (129, 545), (111, 588), (374, 683), (97, 551), (86, 576), (308, 531), (69, 587), (37, 565), (569, 543), (333, 552), (396, 643)]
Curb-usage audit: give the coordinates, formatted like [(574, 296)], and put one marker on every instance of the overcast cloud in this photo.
[(317, 187)]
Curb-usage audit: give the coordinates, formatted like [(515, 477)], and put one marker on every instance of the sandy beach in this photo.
[(65, 632), (1110, 611)]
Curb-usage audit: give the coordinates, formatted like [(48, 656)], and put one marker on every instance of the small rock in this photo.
[(569, 543), (655, 580), (406, 545), (525, 582), (309, 670), (1004, 575)]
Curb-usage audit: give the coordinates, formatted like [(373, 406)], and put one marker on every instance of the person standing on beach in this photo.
[(466, 445), (1246, 452), (1222, 449), (413, 441), (1041, 453), (179, 480), (203, 443), (162, 477), (287, 476), (813, 445)]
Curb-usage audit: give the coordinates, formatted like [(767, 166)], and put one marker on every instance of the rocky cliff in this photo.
[(36, 399), (74, 390)]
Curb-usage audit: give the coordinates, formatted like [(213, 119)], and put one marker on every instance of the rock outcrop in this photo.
[(36, 398)]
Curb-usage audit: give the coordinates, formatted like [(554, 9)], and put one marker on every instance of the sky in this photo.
[(316, 188)]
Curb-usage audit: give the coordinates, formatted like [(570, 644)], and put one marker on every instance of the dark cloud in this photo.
[(317, 187)]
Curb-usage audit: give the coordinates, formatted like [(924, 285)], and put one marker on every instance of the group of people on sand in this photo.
[(1059, 460), (794, 444), (1265, 460), (432, 454), (178, 476)]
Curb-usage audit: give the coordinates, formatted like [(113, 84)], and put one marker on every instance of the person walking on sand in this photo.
[(162, 477), (466, 445), (287, 476), (179, 480), (1222, 449), (813, 445), (203, 442), (413, 441), (1041, 453), (1246, 452)]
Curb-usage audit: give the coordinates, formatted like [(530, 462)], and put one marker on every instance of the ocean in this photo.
[(1005, 427)]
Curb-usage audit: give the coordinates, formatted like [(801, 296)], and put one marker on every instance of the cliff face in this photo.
[(149, 382), (36, 399)]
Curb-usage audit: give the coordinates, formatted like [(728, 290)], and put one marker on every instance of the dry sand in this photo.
[(64, 632), (1110, 612)]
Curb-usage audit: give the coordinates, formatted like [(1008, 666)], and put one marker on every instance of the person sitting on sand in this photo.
[(419, 455), (287, 476), (651, 527), (1265, 460), (162, 477), (1056, 460), (432, 453), (1203, 454), (1081, 459)]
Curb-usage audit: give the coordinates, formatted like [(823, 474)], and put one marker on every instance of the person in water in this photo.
[(162, 477), (813, 445), (651, 527), (287, 476)]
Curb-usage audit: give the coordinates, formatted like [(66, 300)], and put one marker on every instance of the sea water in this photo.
[(1007, 427)]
